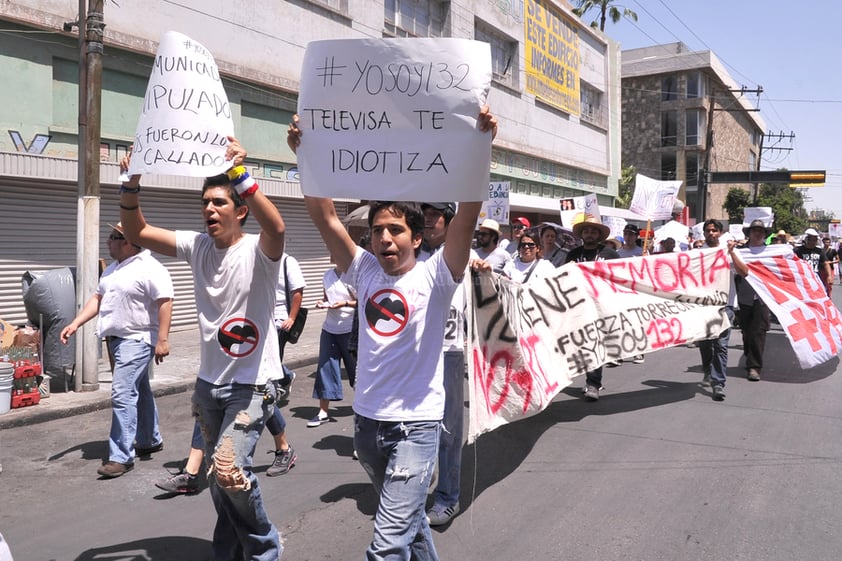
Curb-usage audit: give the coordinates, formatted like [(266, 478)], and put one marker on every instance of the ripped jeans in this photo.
[(400, 458), (231, 418)]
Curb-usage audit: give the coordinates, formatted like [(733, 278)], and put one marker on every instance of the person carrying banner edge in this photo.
[(234, 278), (753, 313), (399, 402)]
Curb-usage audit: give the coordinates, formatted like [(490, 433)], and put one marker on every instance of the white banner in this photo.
[(186, 118), (394, 119), (529, 341), (497, 205), (796, 295), (654, 199)]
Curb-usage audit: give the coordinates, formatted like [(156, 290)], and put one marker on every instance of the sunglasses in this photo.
[(527, 245), (518, 226), (116, 237), (483, 234)]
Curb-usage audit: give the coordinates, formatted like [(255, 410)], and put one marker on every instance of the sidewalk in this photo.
[(176, 374)]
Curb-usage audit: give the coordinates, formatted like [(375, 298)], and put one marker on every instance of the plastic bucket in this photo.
[(7, 382)]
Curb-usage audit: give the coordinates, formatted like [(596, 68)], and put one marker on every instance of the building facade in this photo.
[(555, 91), (683, 114)]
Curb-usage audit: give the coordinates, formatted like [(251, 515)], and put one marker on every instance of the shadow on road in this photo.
[(95, 450), (164, 548)]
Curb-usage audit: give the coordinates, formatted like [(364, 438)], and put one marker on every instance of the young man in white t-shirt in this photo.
[(234, 277), (399, 397)]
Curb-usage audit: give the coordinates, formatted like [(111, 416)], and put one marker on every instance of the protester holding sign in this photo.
[(753, 312), (593, 233), (399, 399), (234, 277)]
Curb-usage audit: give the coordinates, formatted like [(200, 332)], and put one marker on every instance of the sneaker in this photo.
[(753, 374), (110, 469), (354, 455), (283, 386), (318, 421), (284, 460), (638, 359), (147, 451), (182, 482), (706, 379), (440, 515), (718, 393), (614, 363), (591, 393)]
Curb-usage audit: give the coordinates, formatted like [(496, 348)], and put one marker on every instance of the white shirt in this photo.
[(296, 281), (517, 270), (401, 326), (128, 293), (338, 320), (235, 297)]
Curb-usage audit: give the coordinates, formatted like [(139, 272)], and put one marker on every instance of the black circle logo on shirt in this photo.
[(387, 312), (238, 337)]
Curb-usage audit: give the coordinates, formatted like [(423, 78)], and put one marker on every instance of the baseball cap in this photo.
[(811, 232), (443, 207), (631, 228), (523, 220)]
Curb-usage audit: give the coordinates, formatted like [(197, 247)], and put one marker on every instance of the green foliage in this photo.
[(625, 190), (787, 204), (605, 9)]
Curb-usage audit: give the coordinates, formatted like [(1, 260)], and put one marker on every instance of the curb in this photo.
[(34, 415)]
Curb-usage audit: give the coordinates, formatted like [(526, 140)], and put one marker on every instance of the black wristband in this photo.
[(135, 207), (132, 190)]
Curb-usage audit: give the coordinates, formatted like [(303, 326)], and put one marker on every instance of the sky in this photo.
[(791, 49)]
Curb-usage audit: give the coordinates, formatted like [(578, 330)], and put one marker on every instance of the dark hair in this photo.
[(222, 180), (545, 228), (411, 212), (712, 222), (531, 236)]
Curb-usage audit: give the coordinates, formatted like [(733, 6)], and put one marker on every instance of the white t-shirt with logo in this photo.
[(235, 298), (338, 320), (402, 321)]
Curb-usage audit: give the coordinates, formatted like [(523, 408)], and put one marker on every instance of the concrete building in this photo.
[(682, 114), (555, 90)]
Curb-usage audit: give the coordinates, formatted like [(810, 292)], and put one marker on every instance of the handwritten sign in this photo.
[(186, 117), (497, 205), (796, 295), (654, 199), (763, 213), (394, 119), (527, 342)]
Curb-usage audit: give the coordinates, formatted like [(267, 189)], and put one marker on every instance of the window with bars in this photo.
[(414, 18), (504, 55), (590, 105)]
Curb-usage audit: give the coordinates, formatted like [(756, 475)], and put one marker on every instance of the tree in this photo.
[(625, 190), (735, 202), (787, 204), (605, 10)]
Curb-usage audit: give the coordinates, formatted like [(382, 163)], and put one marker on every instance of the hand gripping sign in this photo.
[(394, 118), (186, 118)]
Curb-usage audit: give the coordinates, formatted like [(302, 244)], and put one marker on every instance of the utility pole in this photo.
[(87, 220)]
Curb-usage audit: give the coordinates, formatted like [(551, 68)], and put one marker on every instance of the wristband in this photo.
[(132, 190), (245, 185), (135, 207)]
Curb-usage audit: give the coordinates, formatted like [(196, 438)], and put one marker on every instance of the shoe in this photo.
[(440, 515), (706, 380), (318, 421), (284, 460), (110, 469), (718, 393), (138, 451), (354, 455), (182, 483), (638, 359), (283, 386), (613, 363), (753, 374), (591, 393)]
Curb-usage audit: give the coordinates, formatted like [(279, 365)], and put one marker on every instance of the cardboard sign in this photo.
[(654, 199), (186, 118), (497, 205), (394, 119)]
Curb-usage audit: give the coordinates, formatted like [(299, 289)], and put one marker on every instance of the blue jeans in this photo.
[(333, 347), (715, 353), (450, 446), (134, 416), (399, 458), (231, 418)]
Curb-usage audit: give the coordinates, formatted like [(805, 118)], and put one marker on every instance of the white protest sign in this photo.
[(527, 342), (654, 199), (497, 205), (672, 229), (796, 295), (394, 119), (762, 213), (735, 231), (576, 209), (616, 224), (834, 230), (186, 118)]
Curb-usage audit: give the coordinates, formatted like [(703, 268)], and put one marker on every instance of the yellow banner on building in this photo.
[(552, 57)]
